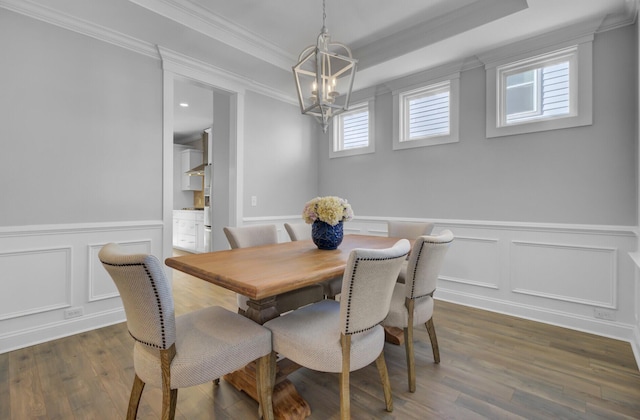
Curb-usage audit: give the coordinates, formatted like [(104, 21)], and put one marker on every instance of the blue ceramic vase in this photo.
[(326, 236)]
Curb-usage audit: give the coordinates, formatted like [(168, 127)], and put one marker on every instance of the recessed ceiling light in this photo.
[(184, 104)]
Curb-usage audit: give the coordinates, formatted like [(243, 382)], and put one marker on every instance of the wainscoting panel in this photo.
[(43, 277), (557, 271), (53, 283), (473, 261)]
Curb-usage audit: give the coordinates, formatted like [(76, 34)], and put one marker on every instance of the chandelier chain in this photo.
[(324, 13)]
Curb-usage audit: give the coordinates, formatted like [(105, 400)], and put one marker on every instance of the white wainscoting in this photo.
[(49, 270), (559, 274)]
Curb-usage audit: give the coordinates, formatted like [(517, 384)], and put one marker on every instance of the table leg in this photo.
[(262, 310), (287, 403)]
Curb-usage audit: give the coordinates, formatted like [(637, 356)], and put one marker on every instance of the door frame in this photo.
[(174, 64)]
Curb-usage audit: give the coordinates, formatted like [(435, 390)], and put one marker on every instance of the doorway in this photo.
[(229, 99)]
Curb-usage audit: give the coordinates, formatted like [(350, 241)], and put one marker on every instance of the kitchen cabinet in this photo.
[(200, 231), (190, 159), (188, 230)]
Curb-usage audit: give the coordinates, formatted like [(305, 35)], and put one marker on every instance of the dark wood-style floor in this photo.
[(493, 367)]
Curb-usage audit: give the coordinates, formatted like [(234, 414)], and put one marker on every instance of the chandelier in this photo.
[(324, 77)]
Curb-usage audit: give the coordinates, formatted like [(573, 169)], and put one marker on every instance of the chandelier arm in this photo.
[(341, 45)]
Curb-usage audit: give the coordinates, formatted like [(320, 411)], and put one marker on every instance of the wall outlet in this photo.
[(254, 200), (73, 312), (602, 313)]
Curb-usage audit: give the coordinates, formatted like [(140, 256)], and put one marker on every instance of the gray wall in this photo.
[(280, 157), (584, 175), (81, 128), (221, 167)]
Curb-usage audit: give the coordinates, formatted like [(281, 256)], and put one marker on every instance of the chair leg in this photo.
[(411, 362), (266, 378), (169, 404), (345, 397), (408, 343), (384, 378), (134, 400), (431, 329), (169, 396)]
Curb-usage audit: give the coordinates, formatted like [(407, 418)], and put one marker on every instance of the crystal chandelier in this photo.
[(324, 77)]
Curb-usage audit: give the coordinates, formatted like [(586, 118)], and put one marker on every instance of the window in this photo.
[(352, 131), (427, 115), (538, 89), (548, 91)]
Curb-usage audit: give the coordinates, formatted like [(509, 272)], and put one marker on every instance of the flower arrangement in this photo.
[(330, 209)]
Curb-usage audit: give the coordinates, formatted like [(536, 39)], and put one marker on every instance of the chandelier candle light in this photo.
[(324, 77)]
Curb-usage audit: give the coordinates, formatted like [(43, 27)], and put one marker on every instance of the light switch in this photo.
[(254, 201)]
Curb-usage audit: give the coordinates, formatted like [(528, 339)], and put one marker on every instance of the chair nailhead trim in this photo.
[(158, 303), (415, 269), (355, 269)]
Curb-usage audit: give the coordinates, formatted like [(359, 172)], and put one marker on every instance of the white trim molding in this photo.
[(83, 27)]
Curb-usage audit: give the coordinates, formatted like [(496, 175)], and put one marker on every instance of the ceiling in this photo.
[(258, 41), (189, 122)]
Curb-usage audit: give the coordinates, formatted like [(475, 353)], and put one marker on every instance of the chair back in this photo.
[(146, 295), (298, 231), (408, 230), (367, 286), (425, 262), (248, 236)]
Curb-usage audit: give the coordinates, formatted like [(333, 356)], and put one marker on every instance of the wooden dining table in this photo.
[(262, 273)]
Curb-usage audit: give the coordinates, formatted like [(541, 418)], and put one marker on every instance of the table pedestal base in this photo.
[(394, 335), (287, 403)]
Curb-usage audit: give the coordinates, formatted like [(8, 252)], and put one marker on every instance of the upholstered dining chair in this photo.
[(300, 232), (257, 235), (407, 230), (176, 352), (344, 336), (412, 302)]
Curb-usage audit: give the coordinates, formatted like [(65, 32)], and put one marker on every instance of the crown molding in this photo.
[(179, 63), (65, 21), (216, 27), (583, 32), (83, 27), (473, 15)]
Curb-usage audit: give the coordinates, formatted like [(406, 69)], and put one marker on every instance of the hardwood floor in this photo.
[(493, 367)]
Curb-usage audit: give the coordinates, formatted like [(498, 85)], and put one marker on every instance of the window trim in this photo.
[(581, 91), (400, 140), (333, 153)]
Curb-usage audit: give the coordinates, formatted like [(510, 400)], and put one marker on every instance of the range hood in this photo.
[(199, 170)]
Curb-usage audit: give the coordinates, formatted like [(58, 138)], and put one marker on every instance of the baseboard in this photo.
[(635, 345), (610, 329), (60, 329)]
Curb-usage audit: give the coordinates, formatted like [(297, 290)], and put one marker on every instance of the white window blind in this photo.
[(428, 115), (355, 129)]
